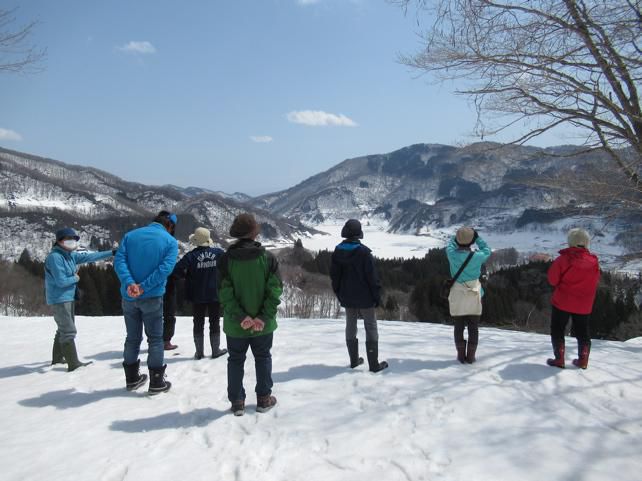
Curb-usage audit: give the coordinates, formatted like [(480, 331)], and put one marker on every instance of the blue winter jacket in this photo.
[(60, 272), (457, 256), (146, 256)]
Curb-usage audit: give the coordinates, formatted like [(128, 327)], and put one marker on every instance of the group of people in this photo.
[(245, 282)]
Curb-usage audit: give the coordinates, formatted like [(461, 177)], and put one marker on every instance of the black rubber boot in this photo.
[(353, 352), (71, 356), (461, 351), (199, 344), (133, 377), (215, 342), (157, 382), (56, 351), (372, 350), (470, 353)]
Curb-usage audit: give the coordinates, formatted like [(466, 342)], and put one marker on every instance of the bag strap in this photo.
[(463, 266)]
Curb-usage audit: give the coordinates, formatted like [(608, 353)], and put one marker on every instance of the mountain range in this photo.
[(415, 190)]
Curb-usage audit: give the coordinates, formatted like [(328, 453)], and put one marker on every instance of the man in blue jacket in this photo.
[(61, 277), (145, 258)]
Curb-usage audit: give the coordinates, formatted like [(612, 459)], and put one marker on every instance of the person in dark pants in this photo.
[(575, 275), (465, 299), (249, 290), (169, 307), (199, 268), (145, 258), (356, 284), (169, 314), (61, 277)]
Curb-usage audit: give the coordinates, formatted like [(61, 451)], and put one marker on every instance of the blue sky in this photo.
[(249, 95)]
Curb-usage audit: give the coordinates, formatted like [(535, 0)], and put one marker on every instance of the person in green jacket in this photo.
[(249, 291)]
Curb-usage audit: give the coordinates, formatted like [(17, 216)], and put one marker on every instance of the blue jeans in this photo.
[(237, 349), (146, 313)]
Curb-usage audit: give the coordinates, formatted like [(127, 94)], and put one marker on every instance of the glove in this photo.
[(247, 323), (258, 325)]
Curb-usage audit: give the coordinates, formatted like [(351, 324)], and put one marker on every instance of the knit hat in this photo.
[(201, 237), (66, 232), (578, 238), (352, 229), (464, 236), (244, 226)]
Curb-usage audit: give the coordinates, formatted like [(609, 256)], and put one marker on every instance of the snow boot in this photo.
[(558, 351), (238, 407), (265, 403), (215, 342), (157, 382), (353, 352), (71, 356), (198, 342), (583, 351), (372, 350), (470, 353), (133, 377), (461, 351), (168, 346), (56, 351)]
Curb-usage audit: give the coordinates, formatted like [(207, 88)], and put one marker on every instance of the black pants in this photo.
[(473, 328), (169, 310), (579, 327), (237, 348), (213, 308)]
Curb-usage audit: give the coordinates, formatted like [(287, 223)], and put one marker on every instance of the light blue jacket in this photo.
[(457, 256), (146, 256), (60, 272)]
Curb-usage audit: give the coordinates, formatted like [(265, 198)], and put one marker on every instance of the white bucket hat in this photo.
[(201, 237)]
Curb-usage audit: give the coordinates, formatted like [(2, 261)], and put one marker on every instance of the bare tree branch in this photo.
[(16, 53)]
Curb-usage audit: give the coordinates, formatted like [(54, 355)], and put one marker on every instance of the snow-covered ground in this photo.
[(548, 240), (507, 417)]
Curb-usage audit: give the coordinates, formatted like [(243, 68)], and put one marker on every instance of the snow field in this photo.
[(507, 417)]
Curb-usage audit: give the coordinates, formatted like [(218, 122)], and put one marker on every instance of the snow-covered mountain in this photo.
[(423, 188), (508, 417), (39, 195)]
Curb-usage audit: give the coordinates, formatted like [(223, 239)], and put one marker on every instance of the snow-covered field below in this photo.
[(507, 417), (548, 240)]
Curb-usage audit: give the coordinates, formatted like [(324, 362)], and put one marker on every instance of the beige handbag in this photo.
[(465, 298)]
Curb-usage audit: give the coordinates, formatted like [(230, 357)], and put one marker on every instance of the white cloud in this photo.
[(143, 47), (7, 134), (261, 139), (319, 118)]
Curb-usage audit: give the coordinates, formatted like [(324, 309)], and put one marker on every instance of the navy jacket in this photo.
[(199, 268), (354, 277), (146, 256)]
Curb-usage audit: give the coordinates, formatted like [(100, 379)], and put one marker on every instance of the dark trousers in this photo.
[(169, 310), (473, 328), (214, 311), (237, 349), (579, 327)]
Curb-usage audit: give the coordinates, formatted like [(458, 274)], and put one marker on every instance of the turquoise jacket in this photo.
[(61, 267), (457, 256), (146, 256)]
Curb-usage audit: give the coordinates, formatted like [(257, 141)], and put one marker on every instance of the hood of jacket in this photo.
[(348, 251), (245, 250)]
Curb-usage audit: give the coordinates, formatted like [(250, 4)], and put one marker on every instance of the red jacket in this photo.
[(574, 275)]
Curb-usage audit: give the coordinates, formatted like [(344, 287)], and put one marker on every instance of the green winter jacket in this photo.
[(249, 285)]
